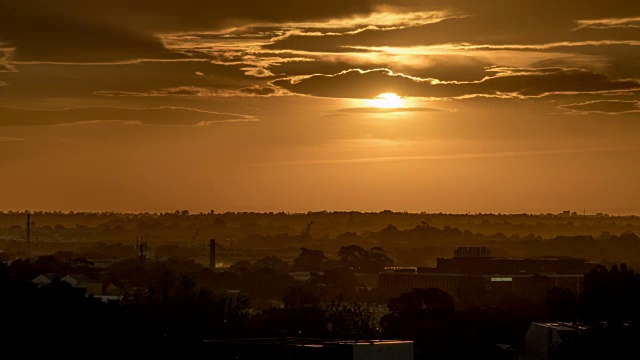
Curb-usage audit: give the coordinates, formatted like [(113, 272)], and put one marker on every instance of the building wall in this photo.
[(394, 284), (394, 351), (537, 342)]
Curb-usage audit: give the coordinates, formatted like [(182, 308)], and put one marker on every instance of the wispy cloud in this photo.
[(630, 22), (608, 107), (96, 115), (505, 154), (507, 83), (10, 139), (372, 110), (195, 91)]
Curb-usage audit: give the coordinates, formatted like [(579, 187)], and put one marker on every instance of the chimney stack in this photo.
[(212, 254), (28, 227)]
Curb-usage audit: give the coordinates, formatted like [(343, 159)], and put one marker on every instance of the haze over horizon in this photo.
[(438, 106)]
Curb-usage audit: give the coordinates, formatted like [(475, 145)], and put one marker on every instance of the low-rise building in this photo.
[(543, 339), (310, 349), (475, 269)]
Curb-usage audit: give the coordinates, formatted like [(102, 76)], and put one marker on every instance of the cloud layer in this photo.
[(504, 83), (434, 49), (154, 116)]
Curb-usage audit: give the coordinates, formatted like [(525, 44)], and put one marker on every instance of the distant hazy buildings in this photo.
[(475, 267)]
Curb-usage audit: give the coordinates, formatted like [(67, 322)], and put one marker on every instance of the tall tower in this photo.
[(28, 228), (141, 247), (212, 254)]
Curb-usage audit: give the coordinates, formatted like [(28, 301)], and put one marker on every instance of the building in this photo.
[(83, 282), (44, 279), (542, 339), (310, 349), (476, 268)]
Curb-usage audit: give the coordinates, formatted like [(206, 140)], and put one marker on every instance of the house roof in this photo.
[(48, 276), (81, 279)]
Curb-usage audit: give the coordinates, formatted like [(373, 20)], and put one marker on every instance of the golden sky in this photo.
[(489, 106)]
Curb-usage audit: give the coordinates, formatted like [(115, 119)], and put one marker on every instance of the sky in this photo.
[(457, 106)]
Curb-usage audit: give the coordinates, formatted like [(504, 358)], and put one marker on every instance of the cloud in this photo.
[(78, 31), (259, 91), (5, 65), (448, 67), (257, 72), (379, 20), (632, 22), (46, 81), (91, 115), (370, 110), (488, 155), (504, 83), (10, 139), (201, 48), (502, 22), (611, 107), (194, 91)]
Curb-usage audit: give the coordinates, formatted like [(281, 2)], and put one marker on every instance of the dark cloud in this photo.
[(57, 80), (117, 30), (153, 116), (194, 91), (258, 91), (612, 107), (494, 22), (205, 48), (506, 83), (619, 59), (446, 67), (45, 32)]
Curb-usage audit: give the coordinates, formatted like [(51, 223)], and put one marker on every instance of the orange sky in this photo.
[(527, 106)]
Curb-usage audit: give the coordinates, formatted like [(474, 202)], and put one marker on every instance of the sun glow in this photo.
[(386, 101)]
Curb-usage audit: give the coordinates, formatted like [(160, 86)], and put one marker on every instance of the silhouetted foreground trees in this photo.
[(173, 306), (167, 313)]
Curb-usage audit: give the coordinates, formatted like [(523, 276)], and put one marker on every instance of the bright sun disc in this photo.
[(386, 101)]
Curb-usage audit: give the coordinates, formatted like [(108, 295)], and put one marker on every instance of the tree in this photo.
[(358, 259), (350, 321), (425, 316), (309, 260), (561, 305), (271, 262)]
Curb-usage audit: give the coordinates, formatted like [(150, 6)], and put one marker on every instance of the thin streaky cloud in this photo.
[(603, 107), (373, 110), (504, 154), (445, 48), (161, 116), (630, 22), (10, 139)]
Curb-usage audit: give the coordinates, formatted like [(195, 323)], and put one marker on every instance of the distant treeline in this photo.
[(410, 239)]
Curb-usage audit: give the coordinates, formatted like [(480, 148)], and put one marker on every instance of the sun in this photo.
[(386, 101)]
